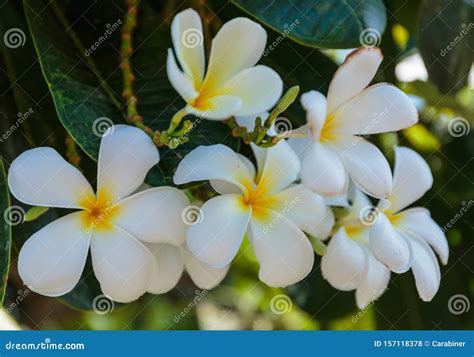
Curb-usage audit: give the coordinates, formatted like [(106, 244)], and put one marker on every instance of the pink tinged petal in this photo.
[(224, 187), (259, 89), (170, 266), (374, 283), (154, 215), (188, 42), (425, 269), (280, 167), (238, 45), (52, 260), (123, 266), (315, 105), (389, 246), (418, 222), (411, 179), (378, 109), (353, 75), (216, 239), (179, 81), (215, 162), (283, 251), (216, 108), (125, 157), (345, 263), (204, 276), (41, 177), (323, 171), (306, 209), (367, 166)]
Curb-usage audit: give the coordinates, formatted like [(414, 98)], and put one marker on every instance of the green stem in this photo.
[(176, 120)]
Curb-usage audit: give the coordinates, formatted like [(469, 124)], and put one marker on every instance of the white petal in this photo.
[(41, 177), (123, 266), (389, 246), (216, 108), (345, 263), (201, 274), (52, 260), (154, 215), (306, 209), (188, 39), (215, 162), (224, 187), (238, 45), (258, 87), (248, 121), (425, 269), (300, 145), (374, 283), (359, 202), (125, 157), (418, 222), (353, 75), (378, 109), (283, 251), (323, 172), (411, 178), (170, 266), (315, 105), (367, 166), (178, 80), (280, 168), (216, 239)]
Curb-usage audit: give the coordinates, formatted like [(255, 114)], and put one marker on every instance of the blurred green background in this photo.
[(428, 49)]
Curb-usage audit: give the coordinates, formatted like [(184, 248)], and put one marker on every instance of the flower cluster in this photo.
[(138, 239)]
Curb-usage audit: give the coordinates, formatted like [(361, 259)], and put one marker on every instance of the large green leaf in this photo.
[(5, 232), (79, 94), (320, 23), (446, 42)]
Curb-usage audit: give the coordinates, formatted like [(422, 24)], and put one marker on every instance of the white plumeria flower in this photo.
[(263, 204), (173, 260), (404, 239), (232, 84), (333, 148), (349, 263), (112, 222)]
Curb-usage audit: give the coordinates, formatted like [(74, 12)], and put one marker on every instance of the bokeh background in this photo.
[(428, 47)]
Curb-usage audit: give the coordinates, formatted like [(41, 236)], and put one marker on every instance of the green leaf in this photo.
[(323, 23), (446, 41), (34, 212), (87, 88), (5, 232)]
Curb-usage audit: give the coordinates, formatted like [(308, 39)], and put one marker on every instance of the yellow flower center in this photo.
[(260, 202), (327, 133), (98, 212)]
